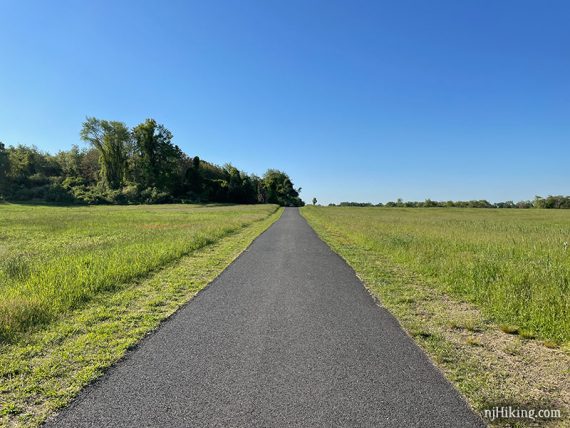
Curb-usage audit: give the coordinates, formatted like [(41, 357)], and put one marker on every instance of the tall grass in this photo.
[(53, 259), (514, 264)]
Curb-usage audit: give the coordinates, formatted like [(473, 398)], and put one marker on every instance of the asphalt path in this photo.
[(286, 336)]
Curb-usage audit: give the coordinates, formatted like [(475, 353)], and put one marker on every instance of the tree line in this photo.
[(539, 202), (138, 165)]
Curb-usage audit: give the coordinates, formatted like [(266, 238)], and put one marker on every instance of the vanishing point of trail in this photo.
[(286, 336)]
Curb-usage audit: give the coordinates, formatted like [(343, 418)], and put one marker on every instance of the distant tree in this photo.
[(525, 204), (557, 202), (28, 166), (538, 202), (249, 190), (507, 204), (261, 191), (70, 161), (89, 166), (280, 189), (3, 160), (155, 158), (314, 201), (193, 179), (235, 182), (355, 204), (550, 202), (196, 162), (110, 138), (4, 166), (482, 203)]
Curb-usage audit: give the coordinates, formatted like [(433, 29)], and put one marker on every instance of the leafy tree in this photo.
[(539, 202), (192, 178), (3, 160), (314, 201), (524, 204), (29, 166), (70, 161), (355, 204), (235, 183), (155, 158), (280, 190), (111, 139), (4, 166), (89, 166), (249, 190)]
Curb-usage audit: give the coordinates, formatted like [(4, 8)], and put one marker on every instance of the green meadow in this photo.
[(513, 264), (55, 259)]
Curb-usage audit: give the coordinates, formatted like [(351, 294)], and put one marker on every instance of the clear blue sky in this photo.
[(356, 100)]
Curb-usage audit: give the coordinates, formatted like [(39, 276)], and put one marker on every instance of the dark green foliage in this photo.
[(124, 166), (279, 189), (4, 163), (552, 202), (355, 204), (154, 159), (193, 178), (110, 138), (539, 202)]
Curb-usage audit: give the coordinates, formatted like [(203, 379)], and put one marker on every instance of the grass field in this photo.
[(55, 259), (513, 264)]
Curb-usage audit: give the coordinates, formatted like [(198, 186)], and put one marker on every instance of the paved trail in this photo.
[(286, 336)]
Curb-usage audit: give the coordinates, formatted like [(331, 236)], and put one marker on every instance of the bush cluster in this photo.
[(538, 202)]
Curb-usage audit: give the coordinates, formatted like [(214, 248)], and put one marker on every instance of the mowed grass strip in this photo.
[(513, 264), (46, 368), (55, 259)]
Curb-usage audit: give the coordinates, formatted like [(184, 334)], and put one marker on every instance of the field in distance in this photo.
[(513, 264), (54, 259)]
